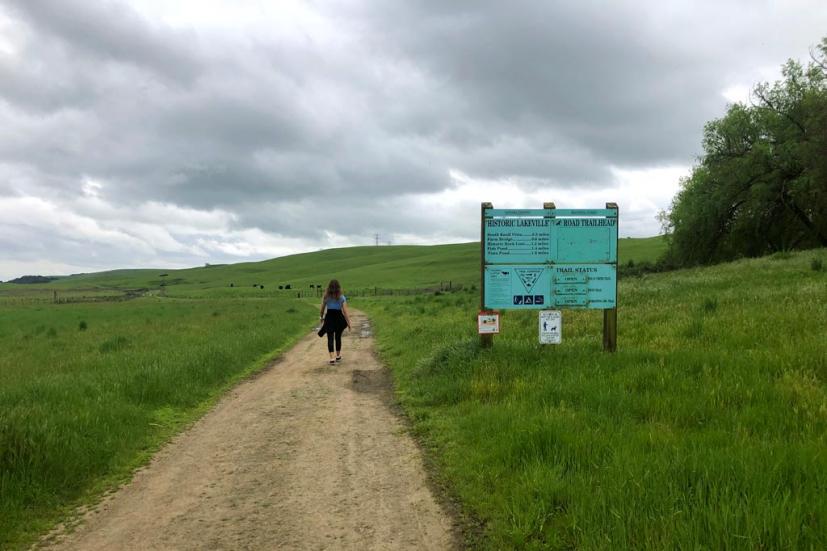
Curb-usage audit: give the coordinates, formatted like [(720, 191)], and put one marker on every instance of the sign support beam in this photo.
[(610, 314), (486, 341)]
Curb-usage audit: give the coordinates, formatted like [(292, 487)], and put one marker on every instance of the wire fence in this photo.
[(51, 296), (444, 286), (75, 296)]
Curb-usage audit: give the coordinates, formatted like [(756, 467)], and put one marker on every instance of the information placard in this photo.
[(551, 326), (536, 258), (550, 236), (517, 286), (585, 239), (488, 323), (584, 285), (516, 240)]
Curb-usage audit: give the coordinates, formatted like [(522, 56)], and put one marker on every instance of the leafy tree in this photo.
[(761, 184)]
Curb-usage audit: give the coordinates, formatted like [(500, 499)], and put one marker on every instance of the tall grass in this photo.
[(88, 391), (706, 430)]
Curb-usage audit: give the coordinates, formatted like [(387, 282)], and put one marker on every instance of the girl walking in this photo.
[(335, 320)]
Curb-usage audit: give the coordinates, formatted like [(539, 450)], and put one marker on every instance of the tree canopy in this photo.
[(761, 184)]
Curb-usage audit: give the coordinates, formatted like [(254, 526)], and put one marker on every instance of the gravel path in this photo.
[(303, 456)]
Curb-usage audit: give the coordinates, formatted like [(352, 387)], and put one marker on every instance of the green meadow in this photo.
[(88, 391), (706, 429)]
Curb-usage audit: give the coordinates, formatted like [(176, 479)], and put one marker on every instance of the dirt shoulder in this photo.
[(303, 456)]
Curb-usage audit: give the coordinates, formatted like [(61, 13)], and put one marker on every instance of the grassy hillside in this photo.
[(706, 430), (637, 250), (356, 267)]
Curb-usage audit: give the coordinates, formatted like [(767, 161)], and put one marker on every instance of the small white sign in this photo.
[(488, 323), (551, 327)]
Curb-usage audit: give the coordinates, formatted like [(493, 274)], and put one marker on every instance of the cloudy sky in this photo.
[(171, 133)]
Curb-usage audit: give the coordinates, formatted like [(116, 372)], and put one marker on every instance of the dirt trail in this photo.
[(303, 456)]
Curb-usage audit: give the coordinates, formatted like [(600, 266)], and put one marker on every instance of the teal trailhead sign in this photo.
[(550, 258)]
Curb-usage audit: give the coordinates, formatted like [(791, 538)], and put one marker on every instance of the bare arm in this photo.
[(321, 310), (346, 313)]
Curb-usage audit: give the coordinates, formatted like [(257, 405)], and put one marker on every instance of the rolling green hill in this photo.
[(397, 267)]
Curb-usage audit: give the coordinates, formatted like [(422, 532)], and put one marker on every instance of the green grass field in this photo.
[(637, 250), (88, 391), (706, 430)]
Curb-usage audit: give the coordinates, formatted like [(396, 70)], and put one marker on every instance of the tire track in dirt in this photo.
[(302, 456)]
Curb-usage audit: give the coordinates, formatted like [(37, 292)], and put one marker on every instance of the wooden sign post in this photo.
[(610, 314), (486, 340)]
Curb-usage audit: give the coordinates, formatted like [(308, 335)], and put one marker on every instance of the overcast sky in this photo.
[(171, 133)]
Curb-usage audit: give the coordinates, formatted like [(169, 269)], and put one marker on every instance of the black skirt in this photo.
[(334, 322)]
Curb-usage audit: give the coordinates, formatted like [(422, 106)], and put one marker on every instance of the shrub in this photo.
[(82, 326)]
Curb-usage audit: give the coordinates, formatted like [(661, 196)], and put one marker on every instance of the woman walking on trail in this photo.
[(335, 320)]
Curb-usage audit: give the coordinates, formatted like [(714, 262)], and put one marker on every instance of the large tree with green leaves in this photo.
[(761, 184)]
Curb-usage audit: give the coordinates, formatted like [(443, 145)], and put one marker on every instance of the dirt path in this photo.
[(304, 456)]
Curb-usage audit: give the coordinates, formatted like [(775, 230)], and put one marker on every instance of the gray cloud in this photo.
[(113, 32), (593, 74), (296, 131)]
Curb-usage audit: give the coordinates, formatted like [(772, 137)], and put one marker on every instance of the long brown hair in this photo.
[(334, 290)]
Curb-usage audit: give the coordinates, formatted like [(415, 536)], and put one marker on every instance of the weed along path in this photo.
[(303, 456)]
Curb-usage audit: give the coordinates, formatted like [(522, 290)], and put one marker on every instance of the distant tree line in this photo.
[(761, 184), (28, 279)]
